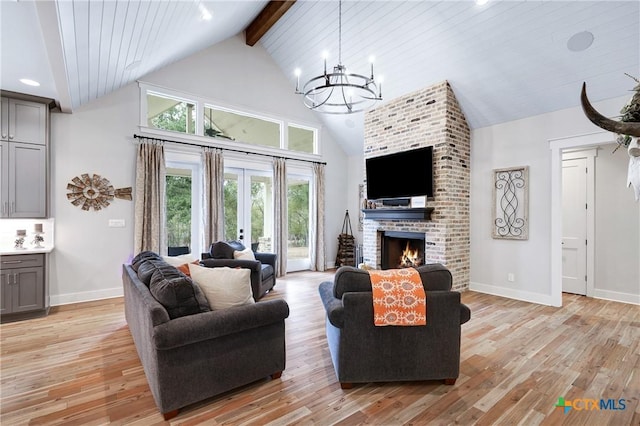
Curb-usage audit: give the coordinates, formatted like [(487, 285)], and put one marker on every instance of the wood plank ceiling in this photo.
[(505, 60), (108, 44)]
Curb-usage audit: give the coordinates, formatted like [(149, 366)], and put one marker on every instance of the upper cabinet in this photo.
[(24, 121), (24, 159)]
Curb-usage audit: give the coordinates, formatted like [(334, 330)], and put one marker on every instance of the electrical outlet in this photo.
[(116, 223), (510, 277)]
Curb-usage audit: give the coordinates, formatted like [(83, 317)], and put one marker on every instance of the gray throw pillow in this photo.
[(237, 245), (221, 250), (147, 268), (176, 292), (142, 257)]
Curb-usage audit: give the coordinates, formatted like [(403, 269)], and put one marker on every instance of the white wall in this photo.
[(617, 219), (356, 177), (518, 143), (98, 138)]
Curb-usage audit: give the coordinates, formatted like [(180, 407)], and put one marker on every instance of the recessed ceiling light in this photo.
[(580, 41), (481, 2), (29, 82)]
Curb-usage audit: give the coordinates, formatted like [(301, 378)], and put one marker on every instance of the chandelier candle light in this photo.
[(340, 92)]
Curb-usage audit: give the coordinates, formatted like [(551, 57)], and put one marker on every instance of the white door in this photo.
[(574, 226), (248, 208)]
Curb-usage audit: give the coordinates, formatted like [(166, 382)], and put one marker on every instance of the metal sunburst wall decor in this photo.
[(511, 203), (94, 192)]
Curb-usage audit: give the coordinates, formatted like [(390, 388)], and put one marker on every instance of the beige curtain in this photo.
[(213, 196), (317, 219), (149, 221), (281, 224)]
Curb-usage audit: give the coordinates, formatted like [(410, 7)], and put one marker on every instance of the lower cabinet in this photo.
[(24, 290)]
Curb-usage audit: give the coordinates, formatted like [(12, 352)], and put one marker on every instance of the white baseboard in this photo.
[(85, 296), (616, 296), (330, 265), (526, 296)]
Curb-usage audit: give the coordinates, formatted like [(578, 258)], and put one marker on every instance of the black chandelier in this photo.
[(340, 92)]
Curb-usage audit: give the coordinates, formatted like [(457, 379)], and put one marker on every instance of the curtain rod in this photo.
[(227, 149)]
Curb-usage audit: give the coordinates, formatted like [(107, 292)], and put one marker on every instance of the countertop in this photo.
[(7, 251)]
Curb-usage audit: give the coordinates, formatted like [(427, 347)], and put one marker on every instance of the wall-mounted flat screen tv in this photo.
[(402, 174)]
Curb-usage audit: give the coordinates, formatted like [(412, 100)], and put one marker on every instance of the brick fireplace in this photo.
[(428, 117)]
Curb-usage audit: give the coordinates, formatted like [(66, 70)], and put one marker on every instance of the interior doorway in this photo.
[(578, 223), (577, 172), (582, 146)]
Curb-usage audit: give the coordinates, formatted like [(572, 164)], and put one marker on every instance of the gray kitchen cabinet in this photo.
[(23, 121), (24, 290), (23, 159)]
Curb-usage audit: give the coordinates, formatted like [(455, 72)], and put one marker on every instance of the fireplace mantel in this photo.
[(421, 213)]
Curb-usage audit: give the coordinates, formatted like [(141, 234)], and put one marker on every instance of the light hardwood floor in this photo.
[(79, 366)]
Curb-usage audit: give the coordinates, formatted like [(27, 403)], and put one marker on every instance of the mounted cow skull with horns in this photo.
[(628, 128)]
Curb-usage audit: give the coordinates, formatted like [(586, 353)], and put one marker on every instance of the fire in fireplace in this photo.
[(402, 249)]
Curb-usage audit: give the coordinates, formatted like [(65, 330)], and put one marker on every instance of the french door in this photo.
[(248, 207), (298, 216)]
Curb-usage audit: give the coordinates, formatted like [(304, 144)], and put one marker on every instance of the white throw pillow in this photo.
[(245, 254), (223, 287), (179, 260)]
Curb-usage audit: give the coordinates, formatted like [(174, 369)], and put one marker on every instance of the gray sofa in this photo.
[(362, 352), (189, 352)]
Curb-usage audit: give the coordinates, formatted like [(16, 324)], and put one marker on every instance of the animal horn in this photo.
[(620, 127)]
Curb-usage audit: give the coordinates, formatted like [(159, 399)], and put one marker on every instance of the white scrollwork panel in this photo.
[(511, 203)]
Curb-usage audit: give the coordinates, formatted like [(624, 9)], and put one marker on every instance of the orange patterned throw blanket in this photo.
[(398, 297)]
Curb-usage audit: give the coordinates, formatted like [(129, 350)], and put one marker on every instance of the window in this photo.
[(178, 199), (169, 113), (240, 127), (163, 110), (298, 209), (182, 203), (302, 139)]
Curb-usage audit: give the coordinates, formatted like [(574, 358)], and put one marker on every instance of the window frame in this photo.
[(200, 139)]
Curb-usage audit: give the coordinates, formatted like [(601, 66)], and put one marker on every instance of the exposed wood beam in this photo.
[(266, 19)]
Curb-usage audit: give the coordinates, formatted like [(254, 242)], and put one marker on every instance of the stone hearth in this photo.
[(428, 117)]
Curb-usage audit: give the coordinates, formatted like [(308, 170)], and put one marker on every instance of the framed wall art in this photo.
[(511, 203)]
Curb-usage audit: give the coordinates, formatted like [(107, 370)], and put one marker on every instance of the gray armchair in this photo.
[(263, 269), (362, 352)]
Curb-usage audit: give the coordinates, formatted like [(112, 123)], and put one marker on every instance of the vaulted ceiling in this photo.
[(505, 60)]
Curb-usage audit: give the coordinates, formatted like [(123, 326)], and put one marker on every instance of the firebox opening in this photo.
[(402, 250)]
